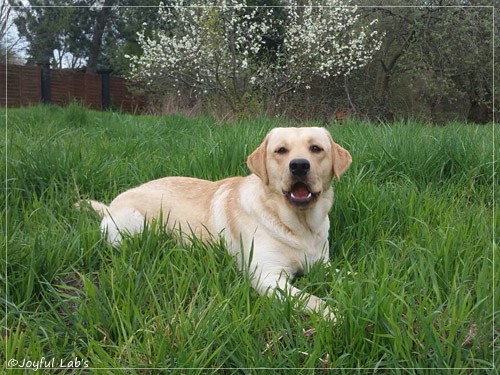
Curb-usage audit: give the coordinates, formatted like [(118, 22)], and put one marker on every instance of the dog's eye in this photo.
[(315, 149), (281, 150)]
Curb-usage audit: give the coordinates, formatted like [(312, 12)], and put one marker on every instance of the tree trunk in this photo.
[(101, 22), (479, 113)]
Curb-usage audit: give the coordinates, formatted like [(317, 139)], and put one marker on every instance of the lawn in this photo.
[(412, 233)]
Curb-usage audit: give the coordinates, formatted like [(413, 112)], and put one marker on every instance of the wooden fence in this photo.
[(28, 85)]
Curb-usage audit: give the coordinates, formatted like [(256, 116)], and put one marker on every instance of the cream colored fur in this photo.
[(253, 213)]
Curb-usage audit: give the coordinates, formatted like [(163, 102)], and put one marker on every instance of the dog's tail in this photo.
[(98, 207)]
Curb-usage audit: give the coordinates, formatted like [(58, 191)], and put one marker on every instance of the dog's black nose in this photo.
[(299, 167)]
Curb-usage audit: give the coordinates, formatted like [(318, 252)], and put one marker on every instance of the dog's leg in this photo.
[(268, 282), (125, 220)]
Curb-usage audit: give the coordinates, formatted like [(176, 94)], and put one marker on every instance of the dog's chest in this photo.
[(301, 248), (313, 248)]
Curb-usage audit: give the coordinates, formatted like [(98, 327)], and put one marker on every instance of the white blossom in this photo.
[(222, 48)]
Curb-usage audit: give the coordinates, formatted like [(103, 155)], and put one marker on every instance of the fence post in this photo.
[(105, 89), (45, 70)]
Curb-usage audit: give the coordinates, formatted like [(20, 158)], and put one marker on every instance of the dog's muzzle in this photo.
[(300, 194)]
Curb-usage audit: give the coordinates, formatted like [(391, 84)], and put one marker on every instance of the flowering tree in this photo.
[(324, 41), (225, 48)]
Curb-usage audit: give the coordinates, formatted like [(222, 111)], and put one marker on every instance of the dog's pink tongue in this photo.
[(300, 192)]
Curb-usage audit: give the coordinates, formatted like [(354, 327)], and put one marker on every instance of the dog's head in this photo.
[(300, 163)]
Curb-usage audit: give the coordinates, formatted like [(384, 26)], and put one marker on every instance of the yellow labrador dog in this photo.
[(275, 221)]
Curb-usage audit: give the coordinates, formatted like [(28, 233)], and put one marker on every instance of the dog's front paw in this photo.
[(330, 314), (317, 305)]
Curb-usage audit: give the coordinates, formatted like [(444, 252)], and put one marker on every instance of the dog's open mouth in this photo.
[(300, 195)]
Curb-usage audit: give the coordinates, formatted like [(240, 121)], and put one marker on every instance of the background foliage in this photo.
[(250, 57), (435, 63)]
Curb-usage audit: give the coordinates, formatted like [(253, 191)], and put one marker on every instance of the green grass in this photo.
[(412, 233)]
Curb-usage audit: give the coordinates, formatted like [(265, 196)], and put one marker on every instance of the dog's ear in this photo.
[(257, 161), (341, 159)]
